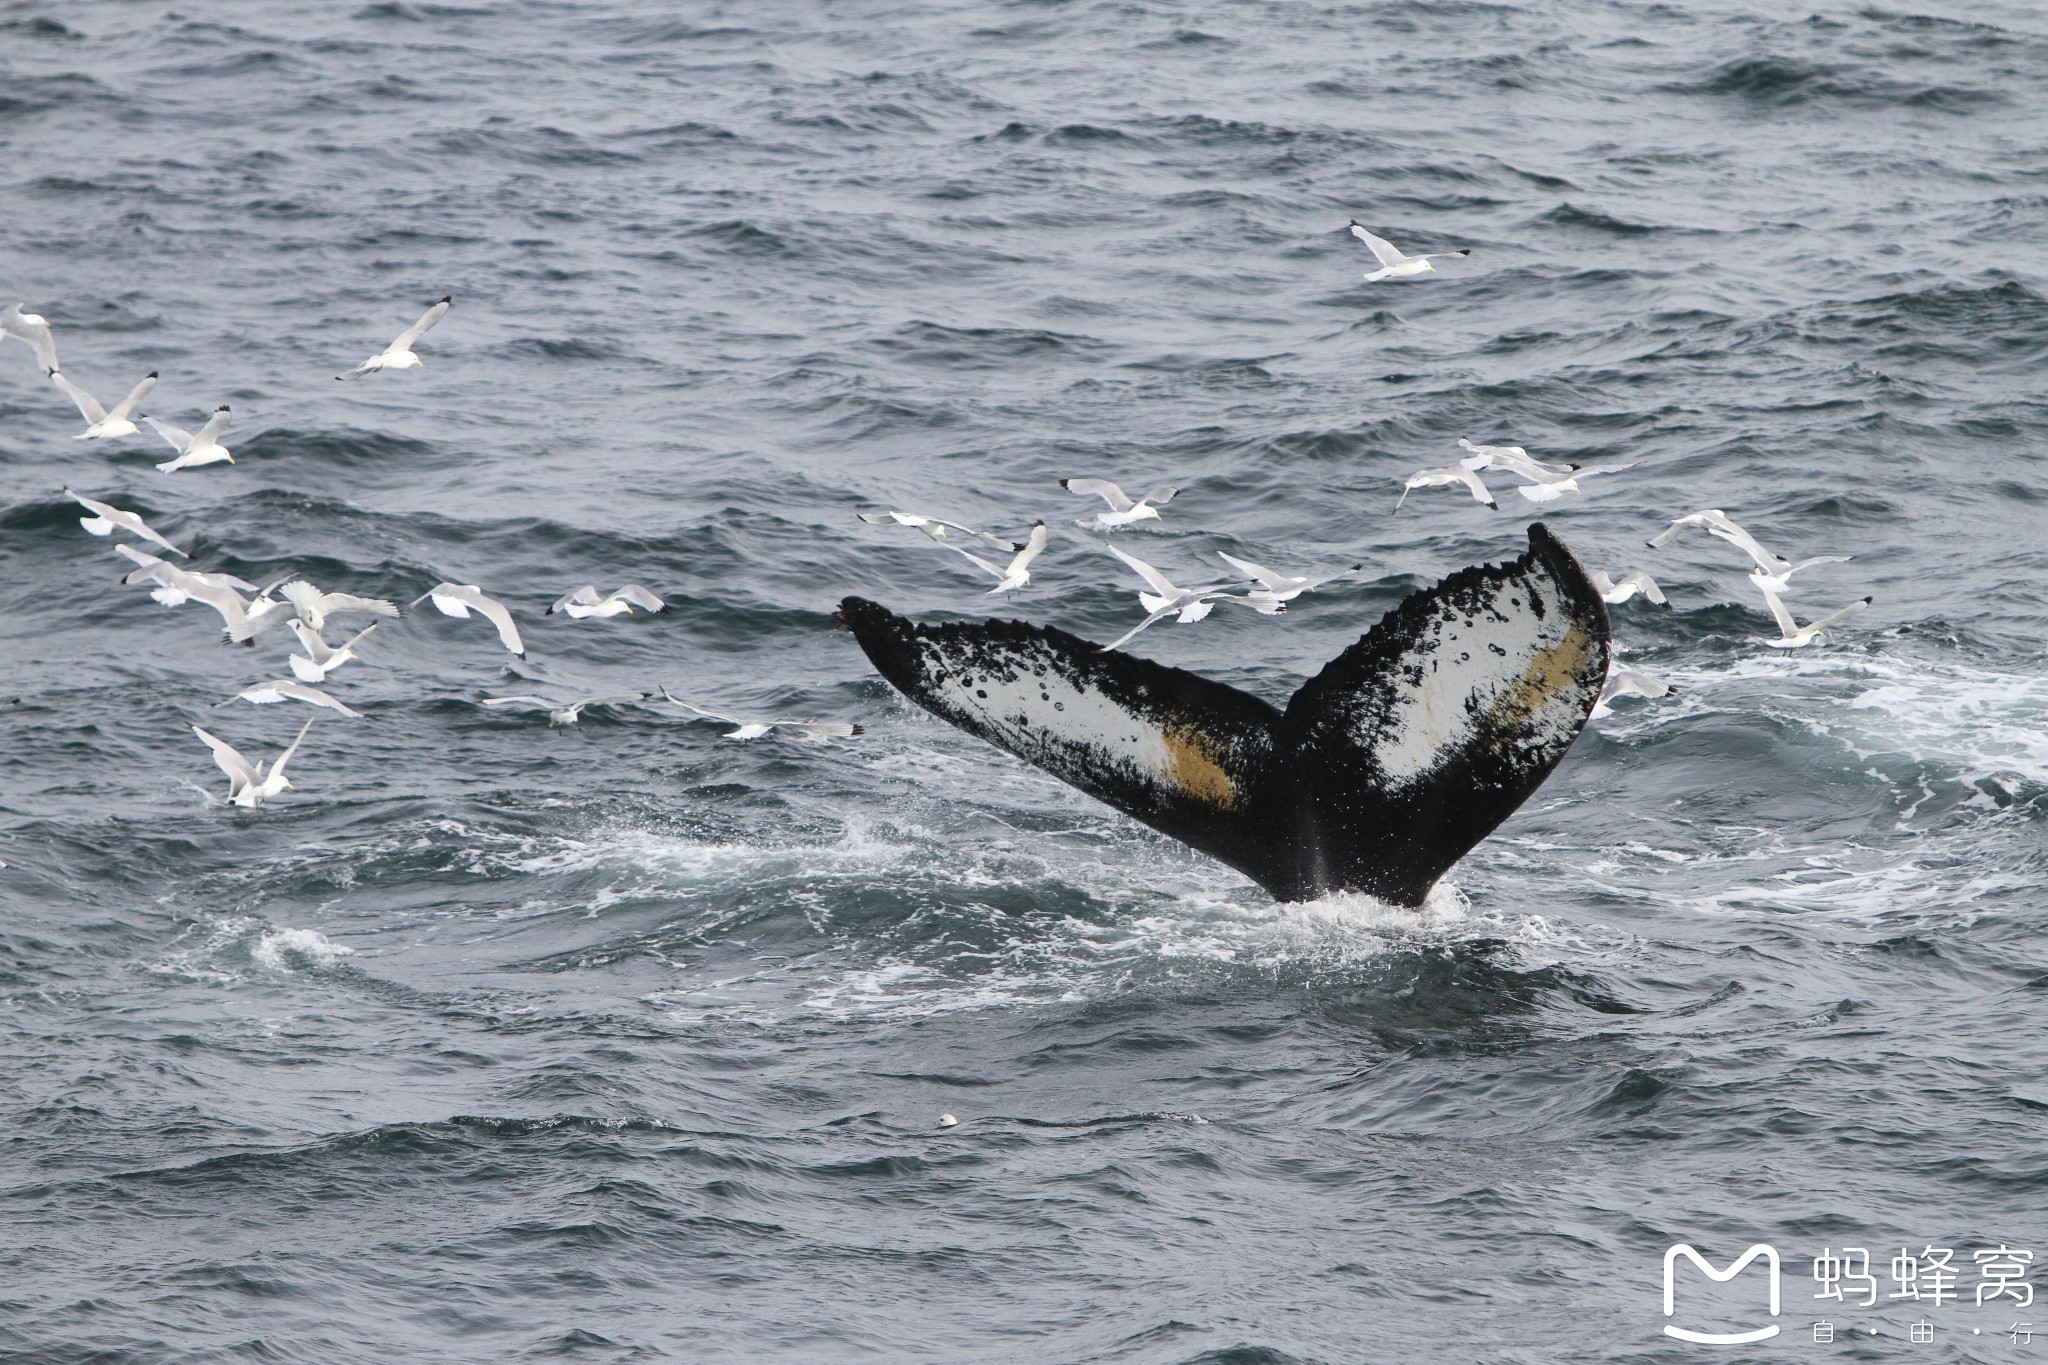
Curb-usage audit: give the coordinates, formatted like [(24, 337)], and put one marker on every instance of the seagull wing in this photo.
[(420, 328), (498, 615), (315, 644), (334, 602), (613, 699), (519, 701), (585, 596), (1472, 481), (180, 439), (135, 395), (1158, 581), (1641, 581), (273, 781), (1844, 614), (1171, 609), (1159, 497), (1032, 548), (977, 559), (1383, 249), (836, 729), (697, 710), (640, 597), (1786, 624), (87, 404), (1101, 488), (298, 691), (1818, 559), (1253, 571), (215, 425), (231, 762), (1742, 540), (255, 623)]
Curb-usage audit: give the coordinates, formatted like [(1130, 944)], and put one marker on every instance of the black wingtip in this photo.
[(858, 729), (446, 298), (1063, 483)]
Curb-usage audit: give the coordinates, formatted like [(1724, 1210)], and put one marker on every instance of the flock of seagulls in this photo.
[(249, 612), (306, 611)]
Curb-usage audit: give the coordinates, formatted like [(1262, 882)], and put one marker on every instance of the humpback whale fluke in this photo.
[(1384, 769)]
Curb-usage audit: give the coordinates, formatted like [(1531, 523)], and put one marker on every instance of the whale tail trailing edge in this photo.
[(1384, 769)]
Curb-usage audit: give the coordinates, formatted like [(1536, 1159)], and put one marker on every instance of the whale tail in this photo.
[(1383, 770)]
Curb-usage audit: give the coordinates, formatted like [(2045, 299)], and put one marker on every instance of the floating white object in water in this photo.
[(321, 658), (1792, 635), (33, 330), (1772, 572), (284, 689), (1638, 581), (754, 729), (205, 448), (947, 1121), (398, 355), (1444, 478), (460, 599), (1276, 588), (587, 601), (1017, 573), (1629, 682), (567, 712), (1513, 459), (1122, 511), (1550, 490), (304, 602), (105, 519), (103, 423), (250, 784), (1393, 264), (936, 528)]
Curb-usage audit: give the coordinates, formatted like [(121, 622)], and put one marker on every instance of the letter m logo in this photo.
[(1770, 1257)]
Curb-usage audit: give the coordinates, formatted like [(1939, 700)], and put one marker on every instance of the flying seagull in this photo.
[(1513, 459), (284, 689), (567, 712), (1627, 682), (250, 784), (304, 602), (754, 729), (176, 586), (105, 519), (1018, 572), (1122, 511), (102, 423), (1550, 490), (1772, 573), (1792, 635), (398, 355), (587, 601), (936, 528), (1614, 593), (1187, 605), (1445, 477), (1394, 265), (321, 658), (1276, 588), (459, 599), (33, 331), (205, 448)]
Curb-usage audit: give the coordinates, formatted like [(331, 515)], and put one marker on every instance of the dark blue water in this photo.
[(627, 1042)]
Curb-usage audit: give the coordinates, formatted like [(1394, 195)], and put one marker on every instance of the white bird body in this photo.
[(205, 448), (251, 784), (754, 729), (1394, 265), (33, 331), (1513, 459), (1276, 589), (460, 599), (1017, 573), (1122, 510), (304, 602), (567, 712), (1550, 490), (1773, 574), (321, 658), (1444, 478), (1616, 592), (1627, 682), (105, 519), (284, 689), (1792, 635), (398, 355), (587, 601), (936, 528), (103, 423)]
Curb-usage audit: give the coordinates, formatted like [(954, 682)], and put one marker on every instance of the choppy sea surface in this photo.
[(623, 1041)]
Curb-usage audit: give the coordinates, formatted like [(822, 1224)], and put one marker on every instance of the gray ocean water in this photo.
[(622, 1042)]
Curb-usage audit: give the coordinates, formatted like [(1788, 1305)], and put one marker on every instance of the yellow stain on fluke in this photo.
[(1191, 764), (1550, 672)]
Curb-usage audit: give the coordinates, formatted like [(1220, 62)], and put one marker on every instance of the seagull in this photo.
[(936, 528), (1018, 572), (1514, 459), (33, 330), (587, 601), (1627, 682), (1277, 588), (304, 602), (1552, 489), (398, 355), (1795, 636), (103, 423), (1394, 265), (567, 713), (249, 784), (176, 586), (1772, 572), (1122, 511), (459, 599), (754, 729), (205, 448), (321, 658), (1450, 474), (1188, 605), (104, 519), (284, 689), (1630, 584)]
